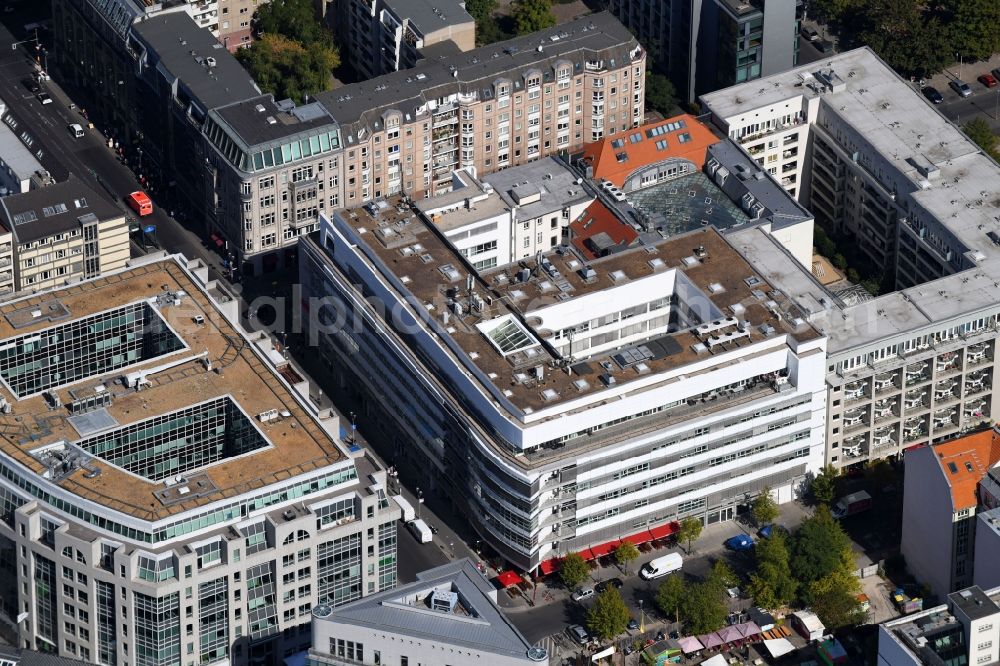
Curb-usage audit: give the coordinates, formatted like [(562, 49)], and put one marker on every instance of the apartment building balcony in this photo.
[(917, 373), (855, 390), (914, 431), (885, 381), (947, 362), (5, 262), (915, 399), (883, 409), (756, 150), (791, 152), (790, 140), (944, 418), (854, 451), (944, 390), (883, 438), (978, 385), (977, 408), (797, 120), (977, 353)]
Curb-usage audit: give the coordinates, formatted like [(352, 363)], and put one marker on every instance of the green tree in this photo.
[(670, 596), (834, 11), (625, 553), (906, 35), (532, 15), (722, 576), (660, 93), (771, 585), (488, 28), (839, 261), (820, 548), (973, 27), (288, 68), (822, 241), (689, 531), (982, 135), (574, 570), (294, 19), (609, 615), (704, 608), (763, 508), (824, 485), (834, 599)]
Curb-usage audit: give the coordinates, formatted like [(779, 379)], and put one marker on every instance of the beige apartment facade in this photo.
[(63, 233)]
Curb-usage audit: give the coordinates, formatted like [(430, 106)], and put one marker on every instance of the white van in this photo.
[(76, 130), (421, 530), (408, 512), (662, 566)]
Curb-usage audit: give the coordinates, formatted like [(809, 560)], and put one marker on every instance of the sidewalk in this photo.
[(967, 71)]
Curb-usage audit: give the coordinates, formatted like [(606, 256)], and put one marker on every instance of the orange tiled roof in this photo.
[(615, 158), (598, 219), (964, 462)]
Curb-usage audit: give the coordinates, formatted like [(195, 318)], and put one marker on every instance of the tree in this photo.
[(488, 28), (823, 486), (533, 15), (294, 19), (906, 35), (704, 608), (288, 68), (771, 585), (973, 27), (574, 570), (820, 548), (670, 596), (660, 93), (609, 615), (722, 576), (689, 530), (625, 553), (834, 599), (982, 135), (763, 508)]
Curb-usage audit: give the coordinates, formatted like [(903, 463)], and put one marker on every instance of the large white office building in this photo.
[(565, 403), (873, 161), (170, 494)]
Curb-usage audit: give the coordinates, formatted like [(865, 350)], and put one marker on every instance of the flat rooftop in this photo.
[(428, 16), (549, 177), (467, 203), (54, 209), (295, 443), (943, 175), (512, 311)]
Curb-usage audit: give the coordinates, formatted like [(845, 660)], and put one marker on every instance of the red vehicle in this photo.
[(140, 203), (987, 80)]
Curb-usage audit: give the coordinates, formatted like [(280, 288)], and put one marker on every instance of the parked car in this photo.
[(44, 98), (961, 87), (987, 80), (996, 73), (932, 93), (611, 582), (583, 593), (32, 86), (739, 543), (809, 34), (823, 45), (579, 634), (633, 624)]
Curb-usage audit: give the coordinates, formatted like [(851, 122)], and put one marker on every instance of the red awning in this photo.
[(508, 578), (663, 531), (604, 548), (548, 566), (639, 538)]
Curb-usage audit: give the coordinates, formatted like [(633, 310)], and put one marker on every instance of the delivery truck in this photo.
[(852, 504), (408, 512), (421, 530)]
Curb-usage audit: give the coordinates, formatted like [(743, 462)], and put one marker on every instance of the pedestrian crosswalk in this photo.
[(552, 646)]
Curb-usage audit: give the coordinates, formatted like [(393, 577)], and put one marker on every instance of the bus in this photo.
[(140, 203)]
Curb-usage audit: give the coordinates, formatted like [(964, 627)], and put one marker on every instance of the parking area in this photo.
[(983, 100)]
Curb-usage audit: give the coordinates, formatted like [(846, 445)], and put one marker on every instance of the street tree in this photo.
[(973, 27), (574, 570), (820, 547), (671, 595), (689, 531), (771, 584), (834, 599), (609, 615), (982, 135), (764, 508), (704, 608), (626, 553), (824, 485), (722, 576), (532, 15), (660, 93)]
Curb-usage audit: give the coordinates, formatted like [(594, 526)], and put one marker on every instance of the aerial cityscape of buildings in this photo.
[(358, 378)]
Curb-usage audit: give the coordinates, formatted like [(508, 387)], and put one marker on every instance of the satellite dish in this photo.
[(537, 654), (322, 610)]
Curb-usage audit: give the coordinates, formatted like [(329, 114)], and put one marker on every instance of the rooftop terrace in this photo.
[(215, 379)]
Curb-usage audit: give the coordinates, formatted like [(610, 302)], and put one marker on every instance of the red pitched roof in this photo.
[(964, 462), (614, 158), (598, 229)]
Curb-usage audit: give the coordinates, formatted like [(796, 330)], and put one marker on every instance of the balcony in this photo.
[(886, 381), (884, 409), (977, 353), (947, 362), (855, 390), (778, 127), (915, 374), (915, 399)]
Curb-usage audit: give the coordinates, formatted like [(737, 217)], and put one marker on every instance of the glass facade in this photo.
[(83, 348), (107, 643), (157, 630), (261, 593), (293, 151), (45, 603), (386, 556), (180, 441), (213, 620), (338, 568)]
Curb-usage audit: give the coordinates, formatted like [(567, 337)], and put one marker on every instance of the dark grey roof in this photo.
[(251, 120), (33, 658), (172, 38), (430, 15), (388, 611), (53, 209), (746, 175), (973, 602), (444, 72)]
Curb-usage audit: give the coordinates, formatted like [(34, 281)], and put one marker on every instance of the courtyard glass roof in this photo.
[(687, 203)]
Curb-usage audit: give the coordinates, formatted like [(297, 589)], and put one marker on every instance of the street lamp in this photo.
[(642, 618), (959, 66), (420, 499), (354, 427)]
